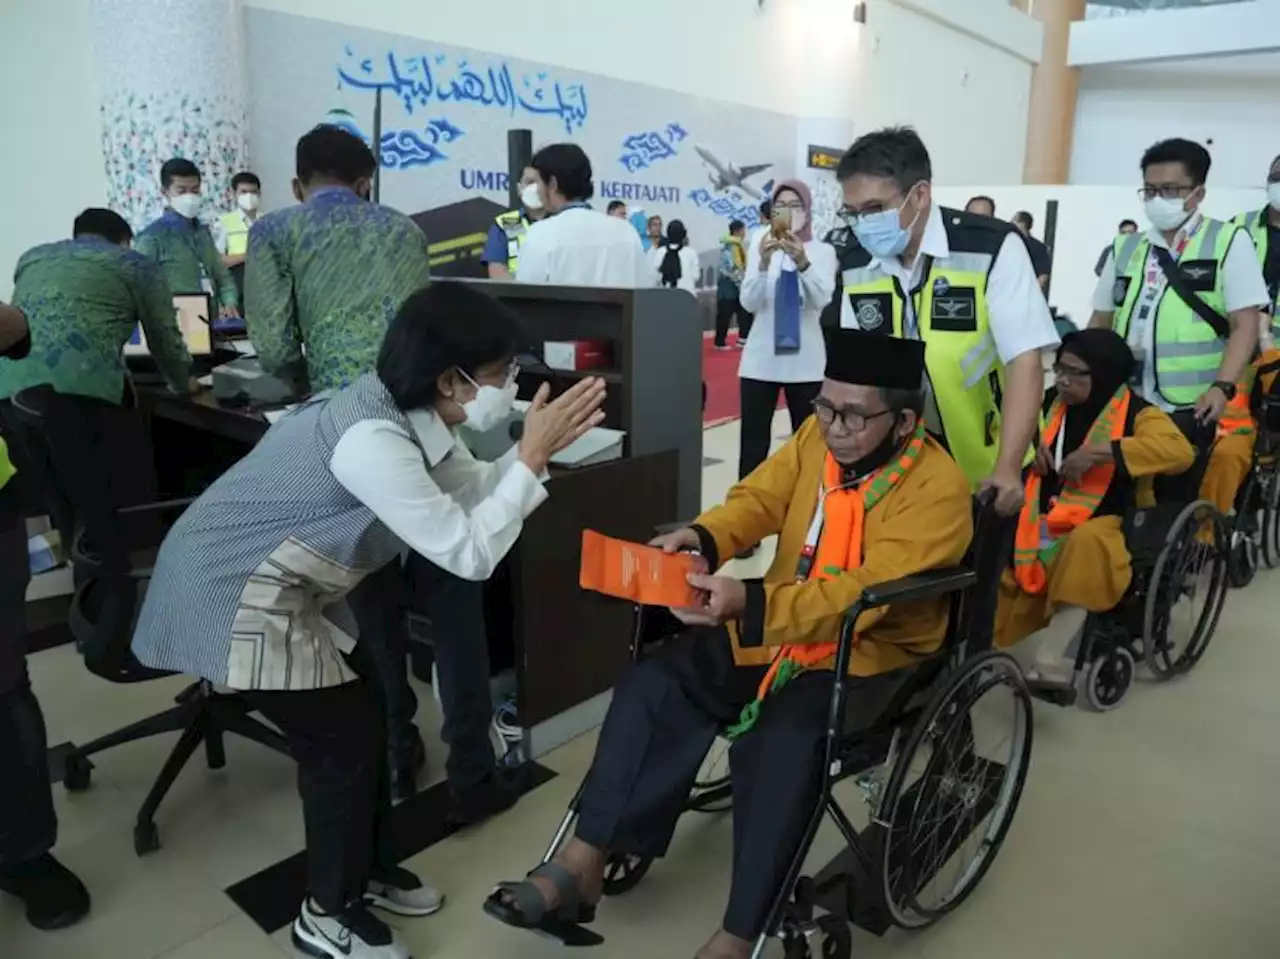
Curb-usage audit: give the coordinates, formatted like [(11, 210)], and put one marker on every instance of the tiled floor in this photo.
[(1148, 832)]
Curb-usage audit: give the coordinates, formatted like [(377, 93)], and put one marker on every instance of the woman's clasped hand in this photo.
[(551, 425)]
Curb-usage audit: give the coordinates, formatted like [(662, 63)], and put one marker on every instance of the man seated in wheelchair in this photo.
[(860, 495), (1100, 447)]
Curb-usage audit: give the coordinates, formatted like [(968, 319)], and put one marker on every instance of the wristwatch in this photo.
[(1228, 389)]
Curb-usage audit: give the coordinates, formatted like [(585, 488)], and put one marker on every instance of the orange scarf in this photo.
[(1039, 538), (838, 550), (1237, 419)]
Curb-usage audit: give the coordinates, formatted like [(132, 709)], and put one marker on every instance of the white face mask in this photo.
[(530, 197), (1166, 214), (248, 202), (491, 404), (798, 219), (187, 204), (1273, 196)]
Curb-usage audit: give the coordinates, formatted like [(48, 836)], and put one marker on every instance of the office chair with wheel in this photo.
[(113, 549)]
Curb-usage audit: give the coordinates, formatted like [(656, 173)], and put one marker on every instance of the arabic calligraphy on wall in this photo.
[(641, 150), (425, 79), (405, 149)]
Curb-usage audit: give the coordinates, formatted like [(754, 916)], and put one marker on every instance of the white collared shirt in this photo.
[(1018, 314), (583, 247), (1243, 287), (448, 507)]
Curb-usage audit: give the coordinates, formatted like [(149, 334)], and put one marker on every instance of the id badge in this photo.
[(206, 284)]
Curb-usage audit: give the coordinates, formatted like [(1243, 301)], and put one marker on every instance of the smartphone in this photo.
[(780, 222)]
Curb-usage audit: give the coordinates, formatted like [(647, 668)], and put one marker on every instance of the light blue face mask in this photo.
[(882, 234)]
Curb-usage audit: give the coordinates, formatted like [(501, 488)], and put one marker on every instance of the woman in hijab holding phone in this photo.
[(1100, 447), (790, 277)]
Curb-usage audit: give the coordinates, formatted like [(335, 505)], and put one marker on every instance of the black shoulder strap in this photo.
[(1180, 286)]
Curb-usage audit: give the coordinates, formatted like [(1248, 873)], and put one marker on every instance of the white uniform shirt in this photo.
[(1243, 287), (689, 267), (583, 247), (759, 361), (459, 513)]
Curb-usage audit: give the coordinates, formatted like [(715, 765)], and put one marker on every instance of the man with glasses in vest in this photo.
[(1264, 227), (1187, 296), (964, 285)]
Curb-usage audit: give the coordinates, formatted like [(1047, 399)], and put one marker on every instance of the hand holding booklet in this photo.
[(642, 574)]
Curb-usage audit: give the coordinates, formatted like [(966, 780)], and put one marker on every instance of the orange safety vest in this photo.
[(1038, 538)]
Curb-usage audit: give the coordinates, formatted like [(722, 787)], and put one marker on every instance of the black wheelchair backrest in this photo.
[(1185, 487), (973, 611)]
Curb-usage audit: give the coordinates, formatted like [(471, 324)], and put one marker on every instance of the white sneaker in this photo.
[(401, 892), (355, 933)]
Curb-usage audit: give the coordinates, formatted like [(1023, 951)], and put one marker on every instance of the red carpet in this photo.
[(720, 373)]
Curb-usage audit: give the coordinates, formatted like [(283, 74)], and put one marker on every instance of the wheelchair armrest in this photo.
[(927, 585)]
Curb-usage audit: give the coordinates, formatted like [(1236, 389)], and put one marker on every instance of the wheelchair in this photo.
[(1255, 523), (1179, 549), (941, 796)]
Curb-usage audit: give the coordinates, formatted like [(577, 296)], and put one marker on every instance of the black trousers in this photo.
[(380, 604), (759, 403), (28, 825), (665, 715), (455, 608), (726, 310), (338, 738)]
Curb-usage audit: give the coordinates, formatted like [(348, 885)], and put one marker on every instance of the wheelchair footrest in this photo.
[(569, 934), (1056, 694)]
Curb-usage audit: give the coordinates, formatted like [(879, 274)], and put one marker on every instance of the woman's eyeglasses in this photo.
[(854, 421), (1073, 373)]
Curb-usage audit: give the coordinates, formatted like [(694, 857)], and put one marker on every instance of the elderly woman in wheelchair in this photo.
[(1100, 450), (859, 496)]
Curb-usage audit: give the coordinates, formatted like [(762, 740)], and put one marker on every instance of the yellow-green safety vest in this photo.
[(237, 230), (1256, 224), (963, 365), (7, 469), (1187, 351), (514, 225)]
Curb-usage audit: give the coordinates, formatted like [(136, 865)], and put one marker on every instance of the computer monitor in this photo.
[(192, 312)]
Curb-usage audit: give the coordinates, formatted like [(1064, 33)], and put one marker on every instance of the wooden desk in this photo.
[(568, 645)]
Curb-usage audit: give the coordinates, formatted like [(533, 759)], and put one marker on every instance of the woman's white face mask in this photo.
[(491, 405)]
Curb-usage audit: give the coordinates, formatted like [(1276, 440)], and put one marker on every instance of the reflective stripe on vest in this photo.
[(963, 365), (1187, 351), (237, 231), (513, 225)]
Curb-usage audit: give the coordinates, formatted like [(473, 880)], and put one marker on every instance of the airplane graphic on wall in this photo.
[(724, 175)]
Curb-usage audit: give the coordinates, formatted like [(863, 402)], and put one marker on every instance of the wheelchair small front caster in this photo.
[(826, 938), (77, 773), (623, 873), (146, 838), (1108, 679)]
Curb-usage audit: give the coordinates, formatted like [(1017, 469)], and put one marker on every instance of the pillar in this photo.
[(171, 83), (1054, 85)]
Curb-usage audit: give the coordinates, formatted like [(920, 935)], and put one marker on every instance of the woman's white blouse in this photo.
[(817, 284)]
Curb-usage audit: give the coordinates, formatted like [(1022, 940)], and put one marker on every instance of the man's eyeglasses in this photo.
[(1069, 372), (853, 420), (1166, 191)]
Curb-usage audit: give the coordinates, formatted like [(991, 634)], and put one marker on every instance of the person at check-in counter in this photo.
[(260, 585), (501, 254), (83, 299), (325, 277), (965, 286)]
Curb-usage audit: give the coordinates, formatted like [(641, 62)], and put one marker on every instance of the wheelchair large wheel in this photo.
[(954, 789), (1186, 591), (712, 789), (1270, 521)]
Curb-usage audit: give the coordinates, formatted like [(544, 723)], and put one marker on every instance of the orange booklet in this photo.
[(642, 574)]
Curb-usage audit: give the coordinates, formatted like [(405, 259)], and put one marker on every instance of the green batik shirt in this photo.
[(328, 276), (83, 300), (187, 255)]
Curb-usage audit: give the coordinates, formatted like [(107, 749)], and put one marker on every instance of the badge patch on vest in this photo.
[(957, 312), (872, 311), (941, 286), (1120, 291), (1202, 275)]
